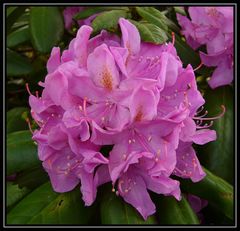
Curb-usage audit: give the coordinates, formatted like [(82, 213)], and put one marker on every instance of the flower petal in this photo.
[(102, 68), (54, 60), (130, 36), (133, 190), (188, 165)]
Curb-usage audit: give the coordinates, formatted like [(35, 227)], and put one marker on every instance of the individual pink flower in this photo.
[(136, 97), (213, 27)]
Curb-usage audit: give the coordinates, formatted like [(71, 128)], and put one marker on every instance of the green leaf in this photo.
[(31, 205), (21, 152), (180, 10), (173, 212), (218, 156), (10, 9), (15, 121), (14, 193), (18, 36), (116, 211), (217, 191), (94, 10), (32, 177), (13, 13), (46, 27), (108, 20), (150, 32), (153, 16), (44, 206), (17, 64)]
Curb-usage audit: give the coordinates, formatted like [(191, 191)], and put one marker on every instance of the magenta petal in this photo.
[(92, 160), (102, 175), (57, 139), (120, 160), (88, 188), (164, 185), (188, 165), (133, 190), (58, 168), (196, 203)]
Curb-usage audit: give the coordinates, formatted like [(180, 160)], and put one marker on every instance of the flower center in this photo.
[(107, 79), (139, 115)]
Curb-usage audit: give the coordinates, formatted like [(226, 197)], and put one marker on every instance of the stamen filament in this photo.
[(198, 67), (28, 90), (213, 118)]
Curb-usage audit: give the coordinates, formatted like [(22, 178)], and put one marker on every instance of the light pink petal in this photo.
[(223, 75), (54, 60), (169, 69), (143, 105), (103, 38), (120, 55), (188, 130), (102, 68), (204, 136), (80, 45), (130, 36)]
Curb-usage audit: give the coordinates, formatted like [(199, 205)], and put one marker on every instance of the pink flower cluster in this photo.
[(133, 96), (213, 27)]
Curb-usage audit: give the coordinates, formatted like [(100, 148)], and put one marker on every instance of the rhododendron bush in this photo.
[(120, 115)]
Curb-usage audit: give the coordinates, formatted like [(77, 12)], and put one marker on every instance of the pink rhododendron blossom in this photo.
[(197, 205), (70, 12), (213, 27), (133, 95)]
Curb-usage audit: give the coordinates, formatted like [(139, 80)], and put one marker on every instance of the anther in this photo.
[(173, 38), (37, 94)]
